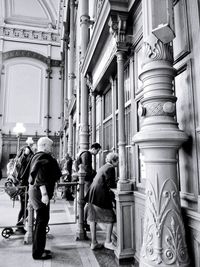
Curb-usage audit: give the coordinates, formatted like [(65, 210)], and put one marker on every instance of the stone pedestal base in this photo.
[(125, 226), (28, 238)]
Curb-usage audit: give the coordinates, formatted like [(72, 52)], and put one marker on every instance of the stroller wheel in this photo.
[(7, 232)]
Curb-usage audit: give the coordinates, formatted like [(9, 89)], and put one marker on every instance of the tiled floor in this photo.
[(61, 240)]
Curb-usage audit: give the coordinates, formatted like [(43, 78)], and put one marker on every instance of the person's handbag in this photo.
[(10, 188)]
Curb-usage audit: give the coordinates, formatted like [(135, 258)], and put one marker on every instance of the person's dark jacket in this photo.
[(24, 166), (99, 193), (44, 170), (86, 163)]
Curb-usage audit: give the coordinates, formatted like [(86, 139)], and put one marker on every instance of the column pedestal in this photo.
[(28, 238), (125, 225), (81, 233)]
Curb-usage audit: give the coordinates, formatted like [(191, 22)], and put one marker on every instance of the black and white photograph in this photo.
[(99, 133)]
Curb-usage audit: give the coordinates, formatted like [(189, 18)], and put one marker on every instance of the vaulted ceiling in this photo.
[(37, 15)]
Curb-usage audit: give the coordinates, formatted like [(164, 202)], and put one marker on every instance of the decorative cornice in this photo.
[(99, 4), (31, 54), (160, 51), (29, 34)]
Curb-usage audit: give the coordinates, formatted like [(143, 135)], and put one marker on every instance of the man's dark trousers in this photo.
[(39, 236)]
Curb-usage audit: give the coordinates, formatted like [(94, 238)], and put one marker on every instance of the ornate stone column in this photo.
[(123, 194), (114, 128), (93, 96), (71, 75), (81, 233), (84, 105), (159, 139), (66, 39), (121, 122)]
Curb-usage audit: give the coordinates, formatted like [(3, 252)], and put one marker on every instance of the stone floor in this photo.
[(61, 240)]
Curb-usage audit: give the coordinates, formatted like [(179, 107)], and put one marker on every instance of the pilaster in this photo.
[(159, 139), (62, 93), (47, 117)]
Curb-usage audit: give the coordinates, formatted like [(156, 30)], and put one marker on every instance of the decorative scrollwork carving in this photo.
[(118, 25), (159, 52)]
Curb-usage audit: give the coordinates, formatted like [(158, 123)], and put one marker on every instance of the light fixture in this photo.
[(19, 129)]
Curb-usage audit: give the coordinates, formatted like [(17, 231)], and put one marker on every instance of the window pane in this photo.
[(107, 104), (128, 125), (127, 91), (107, 135)]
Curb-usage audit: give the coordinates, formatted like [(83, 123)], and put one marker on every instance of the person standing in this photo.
[(101, 200), (21, 173), (66, 169), (85, 160), (44, 172)]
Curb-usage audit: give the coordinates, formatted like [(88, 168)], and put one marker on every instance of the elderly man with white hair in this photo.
[(44, 172)]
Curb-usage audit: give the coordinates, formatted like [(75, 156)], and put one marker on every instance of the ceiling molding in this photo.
[(17, 33), (30, 54)]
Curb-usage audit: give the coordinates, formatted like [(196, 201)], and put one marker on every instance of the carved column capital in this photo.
[(89, 82), (48, 72), (118, 25), (160, 51), (85, 19)]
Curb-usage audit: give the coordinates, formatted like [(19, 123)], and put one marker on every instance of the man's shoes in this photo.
[(20, 223), (44, 256), (86, 227), (20, 231), (109, 246), (96, 246), (47, 251)]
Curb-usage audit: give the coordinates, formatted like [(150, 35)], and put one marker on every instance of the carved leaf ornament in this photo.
[(163, 228), (159, 52)]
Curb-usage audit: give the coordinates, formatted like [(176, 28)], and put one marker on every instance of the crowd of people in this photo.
[(36, 168)]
